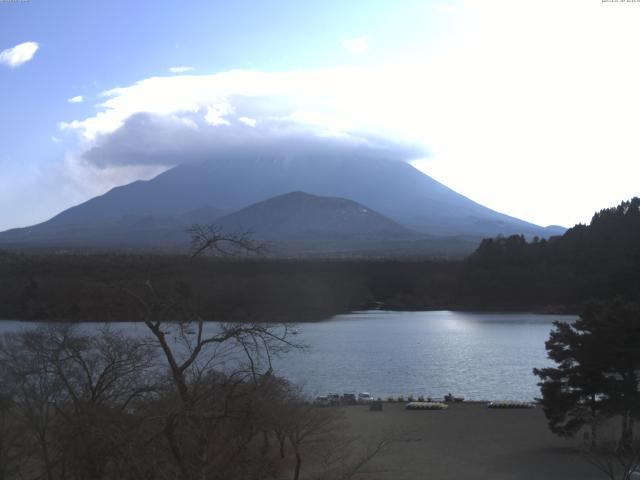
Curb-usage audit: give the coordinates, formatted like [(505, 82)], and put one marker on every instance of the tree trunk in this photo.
[(594, 421), (625, 439), (45, 456), (169, 434), (265, 442), (202, 455), (296, 473)]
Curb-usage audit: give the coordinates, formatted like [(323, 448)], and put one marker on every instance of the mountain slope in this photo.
[(164, 231), (293, 224), (299, 214), (299, 223), (394, 189)]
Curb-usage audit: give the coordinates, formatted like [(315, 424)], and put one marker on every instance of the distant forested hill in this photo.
[(595, 261)]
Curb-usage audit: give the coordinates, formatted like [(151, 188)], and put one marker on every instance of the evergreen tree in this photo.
[(598, 370)]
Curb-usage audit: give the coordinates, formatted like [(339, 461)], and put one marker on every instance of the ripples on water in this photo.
[(476, 355)]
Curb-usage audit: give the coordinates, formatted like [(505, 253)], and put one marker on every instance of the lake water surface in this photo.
[(481, 356)]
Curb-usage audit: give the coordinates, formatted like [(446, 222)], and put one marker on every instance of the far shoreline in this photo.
[(493, 311)]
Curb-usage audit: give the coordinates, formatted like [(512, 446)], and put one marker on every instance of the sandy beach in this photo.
[(467, 440)]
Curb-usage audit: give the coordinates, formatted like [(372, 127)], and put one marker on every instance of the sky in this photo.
[(527, 107)]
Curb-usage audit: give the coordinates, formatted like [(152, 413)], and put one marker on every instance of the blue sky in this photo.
[(527, 107)]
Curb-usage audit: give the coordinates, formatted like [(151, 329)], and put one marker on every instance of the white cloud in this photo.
[(76, 99), (248, 121), (216, 114), (163, 121), (531, 111), (181, 69), (18, 55), (356, 46), (92, 180), (448, 8), (328, 101), (55, 139)]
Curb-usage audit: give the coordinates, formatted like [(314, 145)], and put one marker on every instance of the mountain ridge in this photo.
[(391, 188)]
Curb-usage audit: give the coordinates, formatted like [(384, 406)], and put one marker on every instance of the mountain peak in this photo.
[(300, 214), (354, 192)]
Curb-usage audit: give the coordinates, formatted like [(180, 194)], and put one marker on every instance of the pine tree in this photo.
[(598, 370)]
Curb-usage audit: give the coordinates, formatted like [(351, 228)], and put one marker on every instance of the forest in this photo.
[(562, 274)]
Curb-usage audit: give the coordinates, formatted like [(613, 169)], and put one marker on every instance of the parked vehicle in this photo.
[(322, 401), (449, 398), (365, 397), (349, 399)]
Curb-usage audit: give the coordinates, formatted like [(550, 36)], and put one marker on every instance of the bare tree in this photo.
[(215, 370), (68, 394), (189, 400), (614, 457), (35, 392), (306, 424), (345, 456), (209, 238), (318, 433), (11, 438)]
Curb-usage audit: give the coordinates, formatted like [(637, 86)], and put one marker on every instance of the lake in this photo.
[(480, 356)]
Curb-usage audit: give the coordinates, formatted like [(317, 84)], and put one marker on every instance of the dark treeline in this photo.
[(92, 287), (598, 261)]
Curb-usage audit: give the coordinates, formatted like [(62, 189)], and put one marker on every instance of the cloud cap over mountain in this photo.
[(152, 139), (168, 120)]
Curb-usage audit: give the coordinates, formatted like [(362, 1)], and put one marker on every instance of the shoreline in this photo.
[(489, 311)]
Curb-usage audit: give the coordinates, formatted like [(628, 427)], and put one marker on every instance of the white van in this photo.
[(365, 397)]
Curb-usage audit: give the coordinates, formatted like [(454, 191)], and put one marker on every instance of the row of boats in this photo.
[(422, 403), (344, 399), (367, 398)]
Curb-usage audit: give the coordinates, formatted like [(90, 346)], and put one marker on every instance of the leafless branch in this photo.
[(212, 238)]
